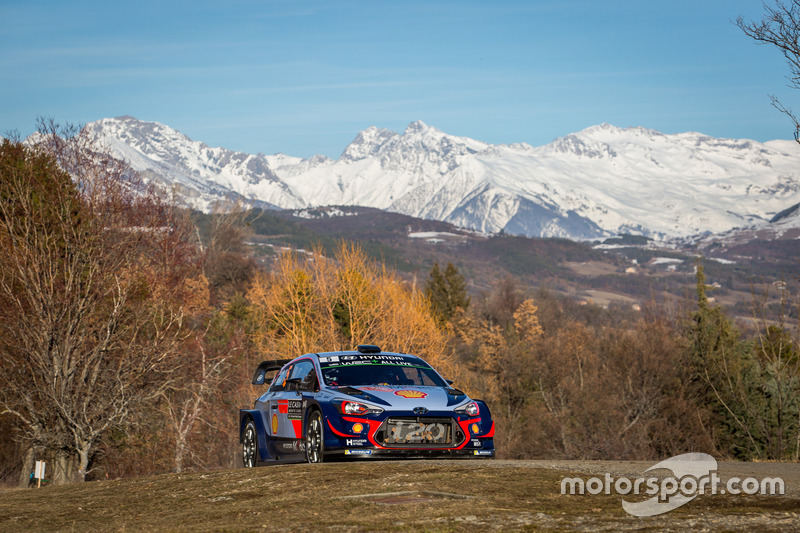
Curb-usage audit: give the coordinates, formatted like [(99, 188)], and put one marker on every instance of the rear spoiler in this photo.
[(267, 366)]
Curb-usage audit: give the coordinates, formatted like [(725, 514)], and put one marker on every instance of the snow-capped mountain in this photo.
[(197, 173), (601, 181)]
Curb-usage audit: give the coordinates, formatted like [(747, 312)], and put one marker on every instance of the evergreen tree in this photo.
[(446, 291), (751, 390)]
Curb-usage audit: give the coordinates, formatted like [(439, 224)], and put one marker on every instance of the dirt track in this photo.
[(789, 472), (481, 495)]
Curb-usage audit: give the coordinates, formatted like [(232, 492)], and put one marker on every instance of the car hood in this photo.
[(408, 397)]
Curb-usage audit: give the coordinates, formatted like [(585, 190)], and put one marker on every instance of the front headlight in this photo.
[(470, 409), (356, 408)]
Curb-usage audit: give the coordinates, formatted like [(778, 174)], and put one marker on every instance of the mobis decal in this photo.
[(377, 389), (411, 394)]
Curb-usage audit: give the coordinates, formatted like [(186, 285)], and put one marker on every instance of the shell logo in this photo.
[(411, 394), (274, 424)]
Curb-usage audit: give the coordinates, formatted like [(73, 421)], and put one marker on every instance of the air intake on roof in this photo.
[(368, 348)]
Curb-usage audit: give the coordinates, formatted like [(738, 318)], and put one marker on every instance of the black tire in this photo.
[(315, 438), (249, 445)]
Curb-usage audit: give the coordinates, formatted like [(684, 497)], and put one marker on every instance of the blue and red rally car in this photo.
[(362, 403)]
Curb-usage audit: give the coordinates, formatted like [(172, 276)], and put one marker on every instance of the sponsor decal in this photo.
[(372, 358), (358, 427), (358, 452), (476, 442), (482, 452), (377, 389), (295, 409), (405, 432), (367, 359), (274, 424), (286, 376), (411, 394), (296, 446), (356, 442), (475, 429)]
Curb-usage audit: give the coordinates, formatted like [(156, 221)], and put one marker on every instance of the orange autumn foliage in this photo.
[(318, 304)]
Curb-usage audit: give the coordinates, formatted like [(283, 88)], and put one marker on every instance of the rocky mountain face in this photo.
[(598, 182)]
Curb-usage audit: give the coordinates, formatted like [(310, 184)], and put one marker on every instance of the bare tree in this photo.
[(187, 403), (91, 284), (780, 27), (229, 267)]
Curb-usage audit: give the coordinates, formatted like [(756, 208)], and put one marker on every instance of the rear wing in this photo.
[(267, 366)]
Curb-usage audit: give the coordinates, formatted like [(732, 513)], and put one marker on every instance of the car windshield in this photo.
[(378, 369)]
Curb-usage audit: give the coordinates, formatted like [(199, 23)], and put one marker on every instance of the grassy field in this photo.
[(369, 496)]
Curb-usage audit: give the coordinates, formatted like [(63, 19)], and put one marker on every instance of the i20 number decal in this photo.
[(415, 432)]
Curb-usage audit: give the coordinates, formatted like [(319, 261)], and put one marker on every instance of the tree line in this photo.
[(129, 330)]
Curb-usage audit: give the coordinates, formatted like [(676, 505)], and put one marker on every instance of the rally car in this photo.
[(363, 403)]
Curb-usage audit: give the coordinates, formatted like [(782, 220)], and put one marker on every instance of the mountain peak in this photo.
[(605, 127), (418, 127), (366, 143), (609, 129)]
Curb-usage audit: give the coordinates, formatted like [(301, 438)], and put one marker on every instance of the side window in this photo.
[(280, 380), (304, 371), (310, 383)]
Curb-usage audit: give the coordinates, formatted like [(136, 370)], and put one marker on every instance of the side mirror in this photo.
[(449, 381), (293, 383)]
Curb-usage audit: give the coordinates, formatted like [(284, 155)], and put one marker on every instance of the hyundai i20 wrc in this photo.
[(363, 403)]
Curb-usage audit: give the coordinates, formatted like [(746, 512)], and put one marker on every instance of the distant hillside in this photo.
[(622, 271)]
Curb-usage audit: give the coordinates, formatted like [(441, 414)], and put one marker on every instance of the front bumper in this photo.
[(368, 453), (365, 437)]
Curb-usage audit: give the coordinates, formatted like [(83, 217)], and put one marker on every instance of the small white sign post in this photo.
[(38, 473)]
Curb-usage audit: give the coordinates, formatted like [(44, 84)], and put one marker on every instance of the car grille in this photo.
[(419, 432)]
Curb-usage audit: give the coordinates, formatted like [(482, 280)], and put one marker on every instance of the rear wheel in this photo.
[(315, 438), (249, 445)]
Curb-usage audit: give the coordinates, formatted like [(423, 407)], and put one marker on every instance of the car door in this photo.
[(283, 416), (287, 402), (302, 382), (272, 399)]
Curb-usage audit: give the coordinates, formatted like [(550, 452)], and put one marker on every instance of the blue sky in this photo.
[(304, 77)]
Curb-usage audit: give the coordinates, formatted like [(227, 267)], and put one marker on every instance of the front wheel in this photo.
[(315, 438), (249, 445)]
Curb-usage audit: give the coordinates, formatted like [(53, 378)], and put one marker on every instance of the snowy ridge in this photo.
[(201, 174), (598, 182)]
